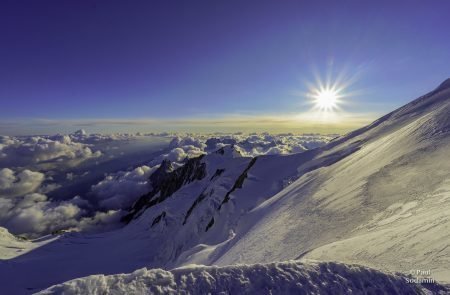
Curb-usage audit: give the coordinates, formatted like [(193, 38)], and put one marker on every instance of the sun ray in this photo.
[(326, 99)]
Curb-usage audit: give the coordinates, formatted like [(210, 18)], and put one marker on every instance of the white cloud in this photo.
[(26, 210), (101, 221), (248, 145), (34, 214), (24, 206), (179, 154), (14, 184), (58, 150), (187, 141), (120, 190), (93, 138)]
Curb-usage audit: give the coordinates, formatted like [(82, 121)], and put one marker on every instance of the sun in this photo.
[(326, 99)]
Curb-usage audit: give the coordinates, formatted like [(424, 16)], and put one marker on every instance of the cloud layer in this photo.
[(250, 145), (51, 151), (14, 183), (28, 175), (120, 190)]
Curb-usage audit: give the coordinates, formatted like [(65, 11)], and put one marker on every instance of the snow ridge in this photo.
[(290, 277)]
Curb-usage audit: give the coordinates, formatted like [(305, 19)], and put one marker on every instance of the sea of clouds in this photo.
[(28, 165)]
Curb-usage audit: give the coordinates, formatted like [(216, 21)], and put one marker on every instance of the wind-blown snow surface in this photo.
[(385, 204), (11, 246), (291, 277)]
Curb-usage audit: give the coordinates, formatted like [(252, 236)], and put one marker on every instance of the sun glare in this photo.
[(326, 99), (328, 93)]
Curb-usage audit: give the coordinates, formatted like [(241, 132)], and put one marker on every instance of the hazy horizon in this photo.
[(248, 124)]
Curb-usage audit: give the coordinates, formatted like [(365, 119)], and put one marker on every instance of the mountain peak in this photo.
[(229, 150), (444, 85), (80, 132)]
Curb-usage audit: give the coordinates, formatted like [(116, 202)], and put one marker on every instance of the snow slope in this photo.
[(385, 204), (291, 277), (11, 246)]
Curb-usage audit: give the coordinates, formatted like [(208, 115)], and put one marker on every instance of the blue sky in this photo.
[(161, 62)]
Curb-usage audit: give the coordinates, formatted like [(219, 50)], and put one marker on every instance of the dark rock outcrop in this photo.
[(166, 182), (197, 201), (217, 174), (161, 173), (158, 218), (210, 224), (238, 183)]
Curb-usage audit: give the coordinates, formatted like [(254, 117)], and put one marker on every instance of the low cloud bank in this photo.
[(14, 183), (29, 162), (27, 166), (120, 190), (44, 152), (253, 144), (33, 215)]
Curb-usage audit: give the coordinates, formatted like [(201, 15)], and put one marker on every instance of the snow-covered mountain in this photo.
[(385, 203), (379, 197)]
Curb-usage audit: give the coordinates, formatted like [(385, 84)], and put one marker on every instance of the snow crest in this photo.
[(290, 277)]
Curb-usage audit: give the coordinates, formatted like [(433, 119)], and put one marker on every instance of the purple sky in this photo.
[(169, 60)]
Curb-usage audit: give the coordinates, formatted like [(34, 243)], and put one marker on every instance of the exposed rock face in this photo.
[(165, 181), (217, 174), (161, 173), (197, 201), (158, 218), (211, 223), (229, 150), (239, 182)]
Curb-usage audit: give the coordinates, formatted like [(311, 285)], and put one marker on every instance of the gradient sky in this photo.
[(197, 63)]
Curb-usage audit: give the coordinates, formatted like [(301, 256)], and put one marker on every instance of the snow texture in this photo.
[(384, 202), (275, 278)]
